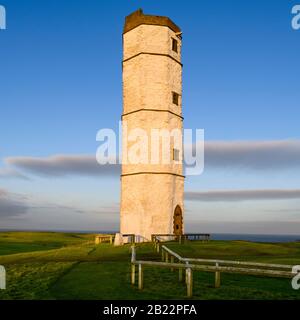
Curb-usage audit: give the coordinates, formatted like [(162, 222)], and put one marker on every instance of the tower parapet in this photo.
[(138, 17)]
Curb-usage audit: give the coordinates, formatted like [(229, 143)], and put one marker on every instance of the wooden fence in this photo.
[(104, 238), (181, 238), (184, 264), (128, 238), (131, 238)]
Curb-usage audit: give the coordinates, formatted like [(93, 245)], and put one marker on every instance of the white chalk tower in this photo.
[(152, 194)]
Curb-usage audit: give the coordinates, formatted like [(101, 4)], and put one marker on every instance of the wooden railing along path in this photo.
[(131, 238), (180, 238), (192, 264), (104, 238)]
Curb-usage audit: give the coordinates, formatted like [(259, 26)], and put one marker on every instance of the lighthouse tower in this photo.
[(152, 192)]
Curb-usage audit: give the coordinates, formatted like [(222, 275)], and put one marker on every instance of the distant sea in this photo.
[(214, 236), (255, 237)]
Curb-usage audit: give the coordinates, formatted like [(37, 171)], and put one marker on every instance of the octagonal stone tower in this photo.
[(152, 193)]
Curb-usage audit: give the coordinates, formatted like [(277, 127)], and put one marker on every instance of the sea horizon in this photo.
[(253, 237)]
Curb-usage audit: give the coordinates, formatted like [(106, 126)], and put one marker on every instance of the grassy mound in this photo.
[(70, 266)]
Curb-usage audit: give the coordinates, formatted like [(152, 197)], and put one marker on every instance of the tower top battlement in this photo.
[(138, 18)]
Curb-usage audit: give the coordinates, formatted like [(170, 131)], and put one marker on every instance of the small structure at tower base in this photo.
[(118, 239)]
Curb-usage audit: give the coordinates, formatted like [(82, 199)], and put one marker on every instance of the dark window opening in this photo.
[(174, 45), (176, 154), (175, 98)]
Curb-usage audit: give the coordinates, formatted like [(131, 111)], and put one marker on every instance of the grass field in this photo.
[(69, 266)]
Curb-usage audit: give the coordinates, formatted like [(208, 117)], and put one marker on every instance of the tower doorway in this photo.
[(177, 224)]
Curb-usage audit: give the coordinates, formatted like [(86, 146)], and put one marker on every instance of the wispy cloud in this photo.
[(63, 165), (10, 173), (242, 155), (253, 155), (12, 205), (113, 209), (242, 195), (101, 210)]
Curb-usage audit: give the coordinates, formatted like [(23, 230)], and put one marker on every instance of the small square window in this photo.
[(174, 45), (176, 154), (175, 97)]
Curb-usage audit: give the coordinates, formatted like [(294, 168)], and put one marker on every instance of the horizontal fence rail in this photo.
[(104, 238), (180, 238), (127, 238), (241, 263), (271, 273), (228, 262), (190, 264), (131, 238)]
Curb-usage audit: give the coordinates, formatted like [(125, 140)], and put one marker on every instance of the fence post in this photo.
[(189, 285), (133, 273), (133, 259), (172, 261), (162, 254), (167, 257), (186, 273), (141, 277), (180, 274), (133, 254), (217, 277), (157, 248)]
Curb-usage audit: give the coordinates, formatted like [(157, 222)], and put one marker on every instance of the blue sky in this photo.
[(60, 82)]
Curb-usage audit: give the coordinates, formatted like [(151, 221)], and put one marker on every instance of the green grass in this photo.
[(17, 242), (32, 281), (70, 266), (285, 253)]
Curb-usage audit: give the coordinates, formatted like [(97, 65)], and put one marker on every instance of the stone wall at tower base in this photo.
[(149, 205)]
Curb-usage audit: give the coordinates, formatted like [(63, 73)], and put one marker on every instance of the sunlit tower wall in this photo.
[(152, 194)]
